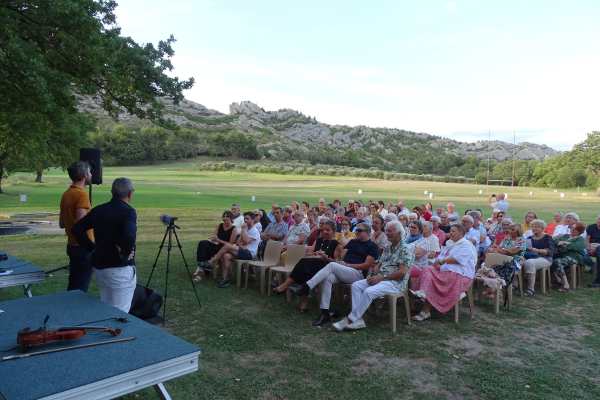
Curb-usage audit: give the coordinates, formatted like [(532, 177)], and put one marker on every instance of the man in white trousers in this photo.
[(113, 252), (390, 277)]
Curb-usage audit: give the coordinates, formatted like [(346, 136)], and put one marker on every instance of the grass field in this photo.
[(258, 347)]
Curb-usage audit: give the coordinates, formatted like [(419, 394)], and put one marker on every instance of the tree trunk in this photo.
[(1, 176), (38, 176)]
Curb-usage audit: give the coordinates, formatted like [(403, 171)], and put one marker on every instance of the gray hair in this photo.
[(398, 227), (429, 225), (364, 227), (538, 222), (572, 215), (389, 217), (413, 215), (468, 218), (78, 170), (437, 219), (474, 214), (121, 188)]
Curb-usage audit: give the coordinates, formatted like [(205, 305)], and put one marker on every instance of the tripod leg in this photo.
[(187, 268), (169, 246), (162, 244)]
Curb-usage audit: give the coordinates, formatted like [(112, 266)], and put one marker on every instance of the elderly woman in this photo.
[(415, 232), (361, 217), (495, 227), (540, 249), (442, 284), (426, 250), (225, 232), (325, 250), (570, 249), (530, 216), (345, 234), (553, 224), (378, 236), (403, 218), (313, 224), (569, 220), (504, 231)]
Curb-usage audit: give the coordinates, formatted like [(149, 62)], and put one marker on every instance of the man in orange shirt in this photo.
[(74, 205)]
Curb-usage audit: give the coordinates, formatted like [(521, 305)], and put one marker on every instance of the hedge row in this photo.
[(304, 169)]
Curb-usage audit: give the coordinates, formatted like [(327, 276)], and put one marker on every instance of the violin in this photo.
[(27, 338)]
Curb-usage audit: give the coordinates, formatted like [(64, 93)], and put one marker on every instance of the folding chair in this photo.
[(393, 302), (293, 254), (495, 259), (469, 293), (272, 254)]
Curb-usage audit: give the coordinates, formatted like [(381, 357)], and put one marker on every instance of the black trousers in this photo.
[(597, 279), (206, 250), (306, 268), (80, 268)]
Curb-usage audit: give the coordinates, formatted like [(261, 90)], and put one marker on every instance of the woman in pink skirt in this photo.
[(442, 284)]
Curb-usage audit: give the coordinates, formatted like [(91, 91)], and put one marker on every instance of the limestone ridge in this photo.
[(287, 133)]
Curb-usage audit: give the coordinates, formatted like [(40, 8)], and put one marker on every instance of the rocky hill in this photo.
[(288, 134)]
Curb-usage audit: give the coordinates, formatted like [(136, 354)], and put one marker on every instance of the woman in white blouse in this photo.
[(426, 250)]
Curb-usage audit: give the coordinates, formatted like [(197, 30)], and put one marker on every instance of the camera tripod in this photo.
[(170, 232)]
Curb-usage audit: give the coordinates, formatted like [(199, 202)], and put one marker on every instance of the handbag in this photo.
[(146, 303)]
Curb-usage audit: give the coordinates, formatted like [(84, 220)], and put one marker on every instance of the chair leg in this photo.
[(269, 280), (580, 275), (471, 301), (393, 302), (573, 277), (262, 277), (520, 274), (543, 280), (510, 297), (497, 301), (407, 306), (548, 280), (247, 275), (456, 311)]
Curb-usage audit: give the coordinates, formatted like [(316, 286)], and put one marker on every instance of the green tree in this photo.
[(51, 51)]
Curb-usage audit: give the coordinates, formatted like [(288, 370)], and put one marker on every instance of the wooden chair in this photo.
[(272, 254), (294, 253), (576, 275), (393, 302)]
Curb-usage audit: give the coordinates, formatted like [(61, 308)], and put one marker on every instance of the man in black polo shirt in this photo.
[(113, 258), (592, 242), (359, 256)]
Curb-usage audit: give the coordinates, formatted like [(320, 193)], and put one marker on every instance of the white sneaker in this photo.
[(422, 316), (462, 296), (341, 324), (418, 293), (356, 325)]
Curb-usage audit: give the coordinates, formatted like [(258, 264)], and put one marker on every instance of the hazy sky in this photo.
[(451, 68)]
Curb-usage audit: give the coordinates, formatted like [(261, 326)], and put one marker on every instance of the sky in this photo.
[(458, 69)]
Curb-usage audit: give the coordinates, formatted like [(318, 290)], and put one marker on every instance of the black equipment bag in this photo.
[(146, 303)]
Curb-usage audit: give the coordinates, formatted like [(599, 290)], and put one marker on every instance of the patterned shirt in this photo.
[(277, 229), (391, 260), (295, 232)]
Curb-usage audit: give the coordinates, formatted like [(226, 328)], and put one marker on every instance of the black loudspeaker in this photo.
[(92, 157)]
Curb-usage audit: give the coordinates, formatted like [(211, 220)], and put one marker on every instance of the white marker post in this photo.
[(253, 199), (23, 198)]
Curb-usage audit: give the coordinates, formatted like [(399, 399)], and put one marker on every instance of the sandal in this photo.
[(529, 293), (564, 290)]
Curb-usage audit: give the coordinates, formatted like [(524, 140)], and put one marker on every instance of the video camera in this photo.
[(168, 220)]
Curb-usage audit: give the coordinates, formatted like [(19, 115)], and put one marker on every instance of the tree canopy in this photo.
[(53, 51)]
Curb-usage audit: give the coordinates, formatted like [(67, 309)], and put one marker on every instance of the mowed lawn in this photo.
[(258, 347)]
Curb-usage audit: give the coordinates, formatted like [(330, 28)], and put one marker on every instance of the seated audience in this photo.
[(381, 209), (426, 250), (276, 230), (415, 231), (225, 232), (530, 216), (553, 224), (445, 223), (314, 224), (538, 255), (245, 248), (592, 241), (471, 234), (361, 218), (504, 232), (564, 228), (440, 234), (378, 236), (442, 284), (345, 234), (390, 276), (452, 214), (236, 217), (287, 215), (570, 249), (484, 240), (299, 231)]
